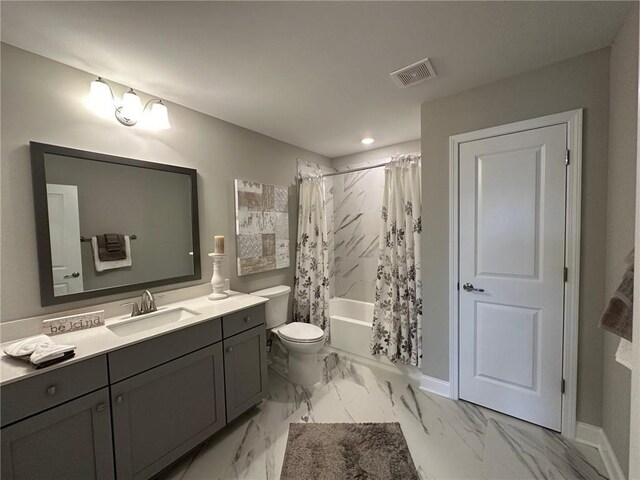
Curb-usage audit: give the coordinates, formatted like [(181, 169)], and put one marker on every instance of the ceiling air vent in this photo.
[(414, 73)]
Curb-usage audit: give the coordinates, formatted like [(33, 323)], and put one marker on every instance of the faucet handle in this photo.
[(135, 308)]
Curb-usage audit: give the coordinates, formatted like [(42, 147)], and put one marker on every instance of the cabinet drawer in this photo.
[(129, 361), (243, 320), (35, 394)]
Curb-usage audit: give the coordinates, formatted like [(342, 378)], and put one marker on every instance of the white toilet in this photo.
[(303, 341)]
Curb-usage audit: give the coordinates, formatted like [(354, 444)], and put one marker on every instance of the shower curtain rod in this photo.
[(353, 170)]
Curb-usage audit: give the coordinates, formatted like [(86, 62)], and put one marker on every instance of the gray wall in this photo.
[(580, 82), (152, 204), (43, 100), (621, 191)]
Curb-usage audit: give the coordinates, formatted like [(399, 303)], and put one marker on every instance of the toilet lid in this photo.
[(301, 332)]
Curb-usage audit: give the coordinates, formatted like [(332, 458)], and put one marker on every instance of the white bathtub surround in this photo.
[(397, 314), (357, 209), (447, 439), (311, 282)]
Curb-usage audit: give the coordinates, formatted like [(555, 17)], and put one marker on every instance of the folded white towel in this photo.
[(624, 354), (38, 349), (45, 352), (110, 265), (27, 346)]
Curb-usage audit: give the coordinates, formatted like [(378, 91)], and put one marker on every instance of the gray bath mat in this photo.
[(336, 451)]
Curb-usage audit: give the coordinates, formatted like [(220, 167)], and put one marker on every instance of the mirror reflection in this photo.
[(113, 224)]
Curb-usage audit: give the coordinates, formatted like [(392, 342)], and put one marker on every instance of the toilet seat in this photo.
[(300, 332)]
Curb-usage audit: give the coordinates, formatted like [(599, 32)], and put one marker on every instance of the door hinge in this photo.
[(566, 274), (566, 158), (562, 385)]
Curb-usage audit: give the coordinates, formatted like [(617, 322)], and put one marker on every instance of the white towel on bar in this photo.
[(110, 265), (624, 353)]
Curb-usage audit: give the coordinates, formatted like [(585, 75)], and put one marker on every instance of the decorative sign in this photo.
[(72, 323), (262, 227)]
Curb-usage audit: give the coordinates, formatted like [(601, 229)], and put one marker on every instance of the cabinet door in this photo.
[(245, 370), (161, 414), (71, 441)]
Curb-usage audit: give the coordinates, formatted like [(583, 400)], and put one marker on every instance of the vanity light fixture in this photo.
[(154, 114), (367, 141)]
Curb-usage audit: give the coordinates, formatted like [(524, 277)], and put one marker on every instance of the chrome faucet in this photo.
[(147, 304)]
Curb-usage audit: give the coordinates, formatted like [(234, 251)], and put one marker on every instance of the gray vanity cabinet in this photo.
[(71, 441), (161, 414), (245, 370)]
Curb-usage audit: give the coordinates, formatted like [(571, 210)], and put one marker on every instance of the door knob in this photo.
[(468, 287), (73, 275)]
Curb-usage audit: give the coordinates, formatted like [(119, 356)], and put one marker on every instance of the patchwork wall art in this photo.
[(262, 227)]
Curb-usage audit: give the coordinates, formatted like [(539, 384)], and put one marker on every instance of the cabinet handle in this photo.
[(247, 319), (119, 399), (52, 390), (229, 349), (100, 407)]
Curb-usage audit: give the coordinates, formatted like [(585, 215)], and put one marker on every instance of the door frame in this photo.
[(573, 120)]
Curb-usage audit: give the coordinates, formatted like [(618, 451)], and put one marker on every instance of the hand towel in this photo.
[(110, 265), (114, 242), (624, 354), (48, 352), (618, 316), (26, 346), (111, 246), (39, 350)]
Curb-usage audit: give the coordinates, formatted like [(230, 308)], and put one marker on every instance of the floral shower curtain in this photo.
[(311, 281), (397, 313)]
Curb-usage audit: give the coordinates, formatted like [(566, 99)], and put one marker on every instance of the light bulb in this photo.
[(158, 117), (367, 141), (131, 106), (100, 98)]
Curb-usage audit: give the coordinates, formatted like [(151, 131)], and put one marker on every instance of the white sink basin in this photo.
[(131, 325)]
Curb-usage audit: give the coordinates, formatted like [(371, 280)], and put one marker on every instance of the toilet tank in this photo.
[(276, 308)]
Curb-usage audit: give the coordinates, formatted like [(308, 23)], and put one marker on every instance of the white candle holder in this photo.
[(217, 280)]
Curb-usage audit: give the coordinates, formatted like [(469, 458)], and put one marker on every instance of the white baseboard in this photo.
[(595, 437), (435, 385)]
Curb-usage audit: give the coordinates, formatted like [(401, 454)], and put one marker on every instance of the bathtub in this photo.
[(350, 324)]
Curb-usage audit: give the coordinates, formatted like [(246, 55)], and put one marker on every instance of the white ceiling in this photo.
[(314, 74)]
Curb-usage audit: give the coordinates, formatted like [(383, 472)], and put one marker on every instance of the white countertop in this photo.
[(100, 340)]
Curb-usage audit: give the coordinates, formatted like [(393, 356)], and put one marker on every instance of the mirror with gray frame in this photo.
[(108, 224)]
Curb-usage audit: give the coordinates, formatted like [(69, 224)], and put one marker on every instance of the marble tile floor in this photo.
[(447, 439)]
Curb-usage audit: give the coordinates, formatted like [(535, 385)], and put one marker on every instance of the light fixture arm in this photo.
[(113, 97), (125, 116)]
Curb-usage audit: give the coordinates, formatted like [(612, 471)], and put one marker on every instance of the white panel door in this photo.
[(512, 231), (64, 232)]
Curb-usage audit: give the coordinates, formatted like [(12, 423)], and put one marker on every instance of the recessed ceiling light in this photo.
[(367, 141)]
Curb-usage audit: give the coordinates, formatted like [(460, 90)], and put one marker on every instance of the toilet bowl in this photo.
[(302, 341)]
